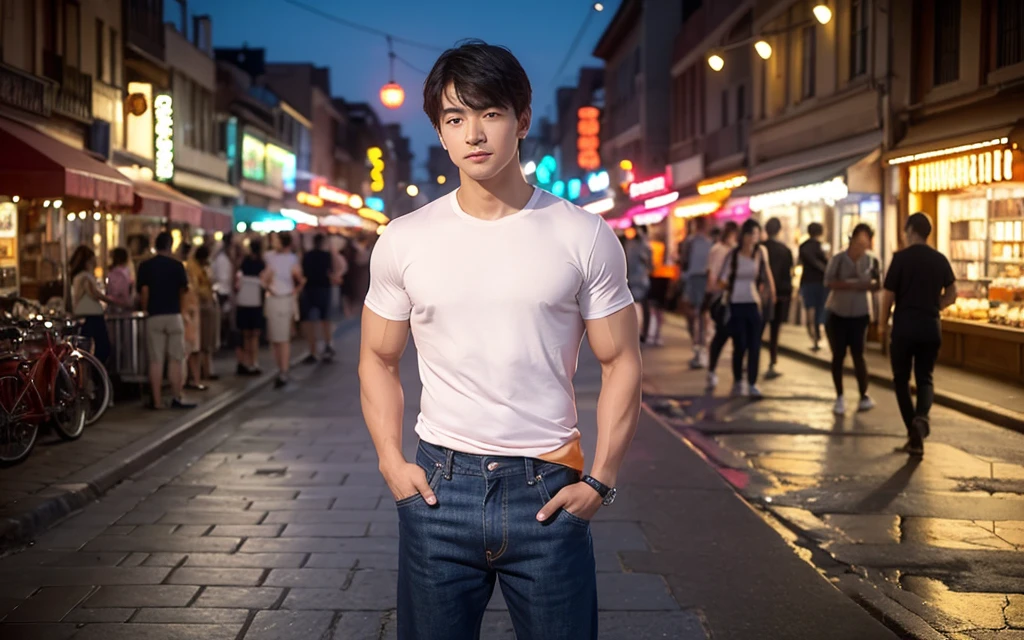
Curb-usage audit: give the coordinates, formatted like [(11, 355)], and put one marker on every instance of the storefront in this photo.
[(52, 199), (976, 192)]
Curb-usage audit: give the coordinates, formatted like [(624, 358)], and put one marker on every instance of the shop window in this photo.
[(72, 35), (100, 58), (859, 21), (808, 58), (114, 80), (1010, 33), (947, 42)]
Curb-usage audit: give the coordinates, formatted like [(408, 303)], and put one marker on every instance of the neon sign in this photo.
[(649, 187), (376, 158), (587, 144), (163, 112), (309, 199), (985, 167)]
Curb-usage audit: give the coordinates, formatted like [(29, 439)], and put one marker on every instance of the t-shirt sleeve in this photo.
[(387, 296), (892, 276), (948, 277), (142, 276), (604, 289)]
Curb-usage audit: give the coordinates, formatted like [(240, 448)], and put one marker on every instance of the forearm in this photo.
[(885, 308), (618, 409), (948, 299), (383, 402)]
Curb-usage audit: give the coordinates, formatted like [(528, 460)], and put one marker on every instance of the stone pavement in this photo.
[(942, 539), (274, 523), (55, 472)]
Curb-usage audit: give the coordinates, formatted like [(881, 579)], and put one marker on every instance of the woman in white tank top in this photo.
[(282, 280)]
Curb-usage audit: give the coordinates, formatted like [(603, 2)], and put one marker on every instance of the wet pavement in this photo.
[(943, 536), (274, 523)]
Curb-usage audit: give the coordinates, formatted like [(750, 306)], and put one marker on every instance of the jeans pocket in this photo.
[(552, 478), (433, 476)]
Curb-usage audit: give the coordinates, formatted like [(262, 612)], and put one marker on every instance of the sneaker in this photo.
[(754, 392), (923, 426), (310, 359), (772, 374), (697, 362), (866, 404), (329, 353), (241, 370), (280, 382), (840, 406), (712, 380), (739, 390), (179, 403)]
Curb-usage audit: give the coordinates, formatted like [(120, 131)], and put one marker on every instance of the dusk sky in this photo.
[(539, 32)]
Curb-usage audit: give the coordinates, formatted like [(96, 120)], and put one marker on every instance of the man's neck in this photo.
[(911, 242), (503, 195)]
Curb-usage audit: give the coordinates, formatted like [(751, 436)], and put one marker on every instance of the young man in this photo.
[(319, 269), (693, 255), (780, 260), (921, 283), (162, 284), (812, 282), (716, 261), (498, 282)]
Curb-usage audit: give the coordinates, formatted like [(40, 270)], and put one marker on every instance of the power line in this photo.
[(411, 65), (362, 27)]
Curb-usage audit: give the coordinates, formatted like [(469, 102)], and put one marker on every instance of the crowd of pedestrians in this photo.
[(737, 283)]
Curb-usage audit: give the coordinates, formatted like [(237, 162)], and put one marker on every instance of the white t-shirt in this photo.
[(496, 310), (282, 265)]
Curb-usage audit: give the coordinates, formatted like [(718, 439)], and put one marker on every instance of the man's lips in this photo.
[(477, 155)]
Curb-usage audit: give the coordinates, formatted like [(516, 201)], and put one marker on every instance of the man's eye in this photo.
[(493, 113), (455, 121)]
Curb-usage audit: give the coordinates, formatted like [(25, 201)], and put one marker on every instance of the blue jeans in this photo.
[(745, 327), (484, 527)]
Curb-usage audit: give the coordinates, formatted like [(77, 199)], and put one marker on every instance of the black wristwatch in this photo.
[(607, 493)]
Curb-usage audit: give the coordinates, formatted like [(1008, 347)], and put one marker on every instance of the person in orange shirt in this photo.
[(662, 276)]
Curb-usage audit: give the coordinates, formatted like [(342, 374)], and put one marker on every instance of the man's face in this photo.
[(861, 241), (480, 142)]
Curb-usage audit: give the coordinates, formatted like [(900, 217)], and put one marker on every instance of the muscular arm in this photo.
[(380, 390), (615, 340)]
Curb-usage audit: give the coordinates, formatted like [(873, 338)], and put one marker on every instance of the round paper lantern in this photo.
[(392, 95)]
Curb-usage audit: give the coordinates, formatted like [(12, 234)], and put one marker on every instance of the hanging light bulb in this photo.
[(763, 49), (822, 13), (598, 6), (716, 62), (392, 95)]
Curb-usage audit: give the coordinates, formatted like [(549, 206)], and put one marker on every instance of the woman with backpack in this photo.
[(750, 294)]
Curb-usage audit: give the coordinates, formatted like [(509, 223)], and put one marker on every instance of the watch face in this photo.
[(610, 498)]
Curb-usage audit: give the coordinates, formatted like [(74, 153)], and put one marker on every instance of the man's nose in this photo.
[(474, 133)]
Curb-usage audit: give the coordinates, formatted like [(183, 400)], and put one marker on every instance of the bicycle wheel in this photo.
[(94, 384), (69, 403), (17, 435)]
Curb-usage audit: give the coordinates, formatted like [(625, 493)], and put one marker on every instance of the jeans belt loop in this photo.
[(448, 464), (530, 480)]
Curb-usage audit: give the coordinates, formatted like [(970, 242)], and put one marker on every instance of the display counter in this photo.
[(984, 330)]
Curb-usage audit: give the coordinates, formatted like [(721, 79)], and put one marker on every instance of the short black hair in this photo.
[(773, 227), (920, 224), (285, 239), (164, 241), (750, 226), (730, 229), (863, 227), (118, 256), (483, 75), (700, 223), (318, 241), (815, 230), (202, 253)]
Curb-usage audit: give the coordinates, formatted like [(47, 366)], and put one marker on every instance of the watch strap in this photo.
[(602, 489)]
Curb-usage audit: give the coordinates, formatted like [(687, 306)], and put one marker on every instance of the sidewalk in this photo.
[(275, 524), (983, 397), (60, 477), (935, 546)]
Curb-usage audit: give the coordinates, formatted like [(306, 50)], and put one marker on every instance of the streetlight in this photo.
[(716, 62), (412, 190), (763, 49), (822, 13), (392, 95), (598, 6), (441, 179)]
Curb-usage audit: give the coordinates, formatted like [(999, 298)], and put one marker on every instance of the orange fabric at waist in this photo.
[(569, 455)]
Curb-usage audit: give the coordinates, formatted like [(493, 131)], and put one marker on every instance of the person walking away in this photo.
[(282, 280), (498, 282), (162, 286), (318, 268), (119, 282), (660, 298), (749, 290), (851, 276), (812, 282), (191, 314), (694, 251), (921, 283), (209, 311), (780, 261), (223, 288), (638, 272), (86, 299), (715, 301), (249, 309)]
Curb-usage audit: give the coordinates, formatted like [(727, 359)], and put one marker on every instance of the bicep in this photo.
[(615, 336), (383, 339)]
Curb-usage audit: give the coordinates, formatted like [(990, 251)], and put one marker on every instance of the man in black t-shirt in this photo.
[(780, 261), (315, 304), (812, 281), (162, 283), (921, 283)]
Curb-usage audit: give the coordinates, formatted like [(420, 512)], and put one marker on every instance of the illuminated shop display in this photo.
[(828, 192), (254, 159), (163, 128), (985, 167)]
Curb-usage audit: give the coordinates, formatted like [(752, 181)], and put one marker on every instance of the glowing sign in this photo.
[(280, 168), (309, 199), (985, 167), (558, 189), (546, 169), (649, 187), (300, 216), (661, 201), (574, 188), (828, 192), (163, 112), (254, 158), (327, 193), (598, 181), (376, 158), (696, 210), (377, 204), (950, 151), (587, 144), (653, 217), (269, 226), (600, 206), (708, 186)]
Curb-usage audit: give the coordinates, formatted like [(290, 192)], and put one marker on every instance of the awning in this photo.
[(983, 122), (196, 182), (158, 200), (815, 175), (698, 205), (34, 165)]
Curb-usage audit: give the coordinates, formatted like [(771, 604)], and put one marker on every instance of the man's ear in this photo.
[(525, 119), (443, 145)]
